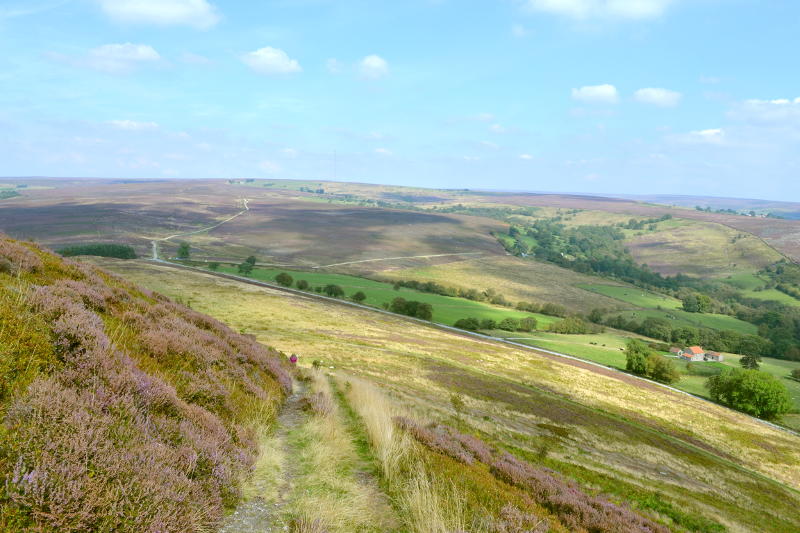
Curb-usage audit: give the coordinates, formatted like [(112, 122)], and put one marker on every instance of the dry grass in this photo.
[(593, 425), (331, 491)]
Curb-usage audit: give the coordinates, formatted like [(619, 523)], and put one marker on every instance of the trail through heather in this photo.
[(256, 514)]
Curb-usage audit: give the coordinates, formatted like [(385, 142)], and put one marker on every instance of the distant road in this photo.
[(155, 242)]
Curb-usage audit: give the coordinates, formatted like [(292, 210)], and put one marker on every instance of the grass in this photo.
[(683, 318), (634, 296), (753, 286), (446, 309), (515, 278), (633, 438)]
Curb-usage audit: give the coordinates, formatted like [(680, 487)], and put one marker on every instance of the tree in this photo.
[(359, 297), (183, 250), (245, 268), (470, 324), (796, 374), (662, 369), (488, 323), (334, 291), (251, 260), (284, 279), (213, 266), (750, 361), (636, 354), (302, 284), (528, 323), (750, 391), (509, 324)]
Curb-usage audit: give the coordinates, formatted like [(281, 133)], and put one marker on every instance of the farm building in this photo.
[(696, 353)]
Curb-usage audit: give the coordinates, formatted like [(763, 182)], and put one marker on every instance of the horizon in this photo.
[(649, 97)]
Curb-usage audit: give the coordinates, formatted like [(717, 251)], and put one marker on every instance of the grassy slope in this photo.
[(752, 286), (628, 440), (446, 310), (121, 411), (515, 278), (634, 296)]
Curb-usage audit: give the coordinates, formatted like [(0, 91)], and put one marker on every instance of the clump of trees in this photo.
[(333, 290), (526, 324), (359, 297), (302, 284), (642, 361), (246, 266), (284, 279), (119, 251), (411, 308), (750, 391)]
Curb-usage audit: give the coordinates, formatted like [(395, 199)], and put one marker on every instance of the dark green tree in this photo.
[(509, 324), (213, 266), (251, 260), (750, 361), (528, 323), (302, 284), (750, 391), (334, 291), (470, 324), (662, 369), (184, 250), (245, 268), (284, 279), (359, 297)]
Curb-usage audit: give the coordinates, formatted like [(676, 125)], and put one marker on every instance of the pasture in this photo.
[(626, 438), (446, 310), (634, 296)]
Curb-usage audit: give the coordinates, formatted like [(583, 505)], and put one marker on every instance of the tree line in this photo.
[(119, 251)]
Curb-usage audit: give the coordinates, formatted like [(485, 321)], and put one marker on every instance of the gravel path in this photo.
[(257, 515)]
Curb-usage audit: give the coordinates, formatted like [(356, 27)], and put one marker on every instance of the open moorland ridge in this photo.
[(698, 466)]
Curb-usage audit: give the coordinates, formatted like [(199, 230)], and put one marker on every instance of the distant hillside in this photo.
[(121, 410)]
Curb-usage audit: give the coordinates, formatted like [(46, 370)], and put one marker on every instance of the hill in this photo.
[(694, 465), (121, 410)]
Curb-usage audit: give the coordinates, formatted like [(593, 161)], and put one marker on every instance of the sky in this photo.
[(698, 97)]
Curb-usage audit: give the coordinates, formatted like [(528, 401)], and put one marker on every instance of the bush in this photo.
[(750, 391), (572, 326), (636, 355), (120, 251), (662, 369), (469, 324), (411, 308), (796, 374), (284, 279), (359, 297), (302, 285), (509, 324), (184, 250), (527, 324), (334, 291)]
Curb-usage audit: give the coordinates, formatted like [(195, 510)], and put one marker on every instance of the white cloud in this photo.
[(132, 125), (779, 111), (196, 13), (527, 157), (596, 94), (658, 96), (373, 67), (271, 61), (383, 151), (484, 117), (291, 153), (334, 66), (120, 58), (586, 9), (709, 136), (497, 128)]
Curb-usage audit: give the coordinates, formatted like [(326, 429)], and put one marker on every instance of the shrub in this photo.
[(527, 324), (184, 250), (571, 325), (636, 354), (19, 257), (509, 324), (662, 369), (412, 308), (796, 374), (334, 291), (302, 285), (750, 391), (359, 297), (284, 279), (470, 324)]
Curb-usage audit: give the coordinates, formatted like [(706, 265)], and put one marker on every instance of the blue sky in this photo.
[(615, 96)]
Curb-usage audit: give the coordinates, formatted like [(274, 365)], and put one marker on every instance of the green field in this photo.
[(634, 296), (446, 310), (752, 286), (700, 320)]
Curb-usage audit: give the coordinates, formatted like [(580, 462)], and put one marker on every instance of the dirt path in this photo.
[(258, 515), (393, 258), (155, 242)]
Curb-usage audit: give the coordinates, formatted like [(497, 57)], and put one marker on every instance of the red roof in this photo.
[(696, 350)]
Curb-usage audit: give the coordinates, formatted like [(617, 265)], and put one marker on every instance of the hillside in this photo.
[(121, 410), (694, 465)]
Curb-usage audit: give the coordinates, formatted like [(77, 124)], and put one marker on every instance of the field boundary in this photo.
[(464, 333)]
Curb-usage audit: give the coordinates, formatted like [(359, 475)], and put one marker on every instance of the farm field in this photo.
[(684, 318), (625, 438), (446, 310), (634, 296), (753, 286)]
